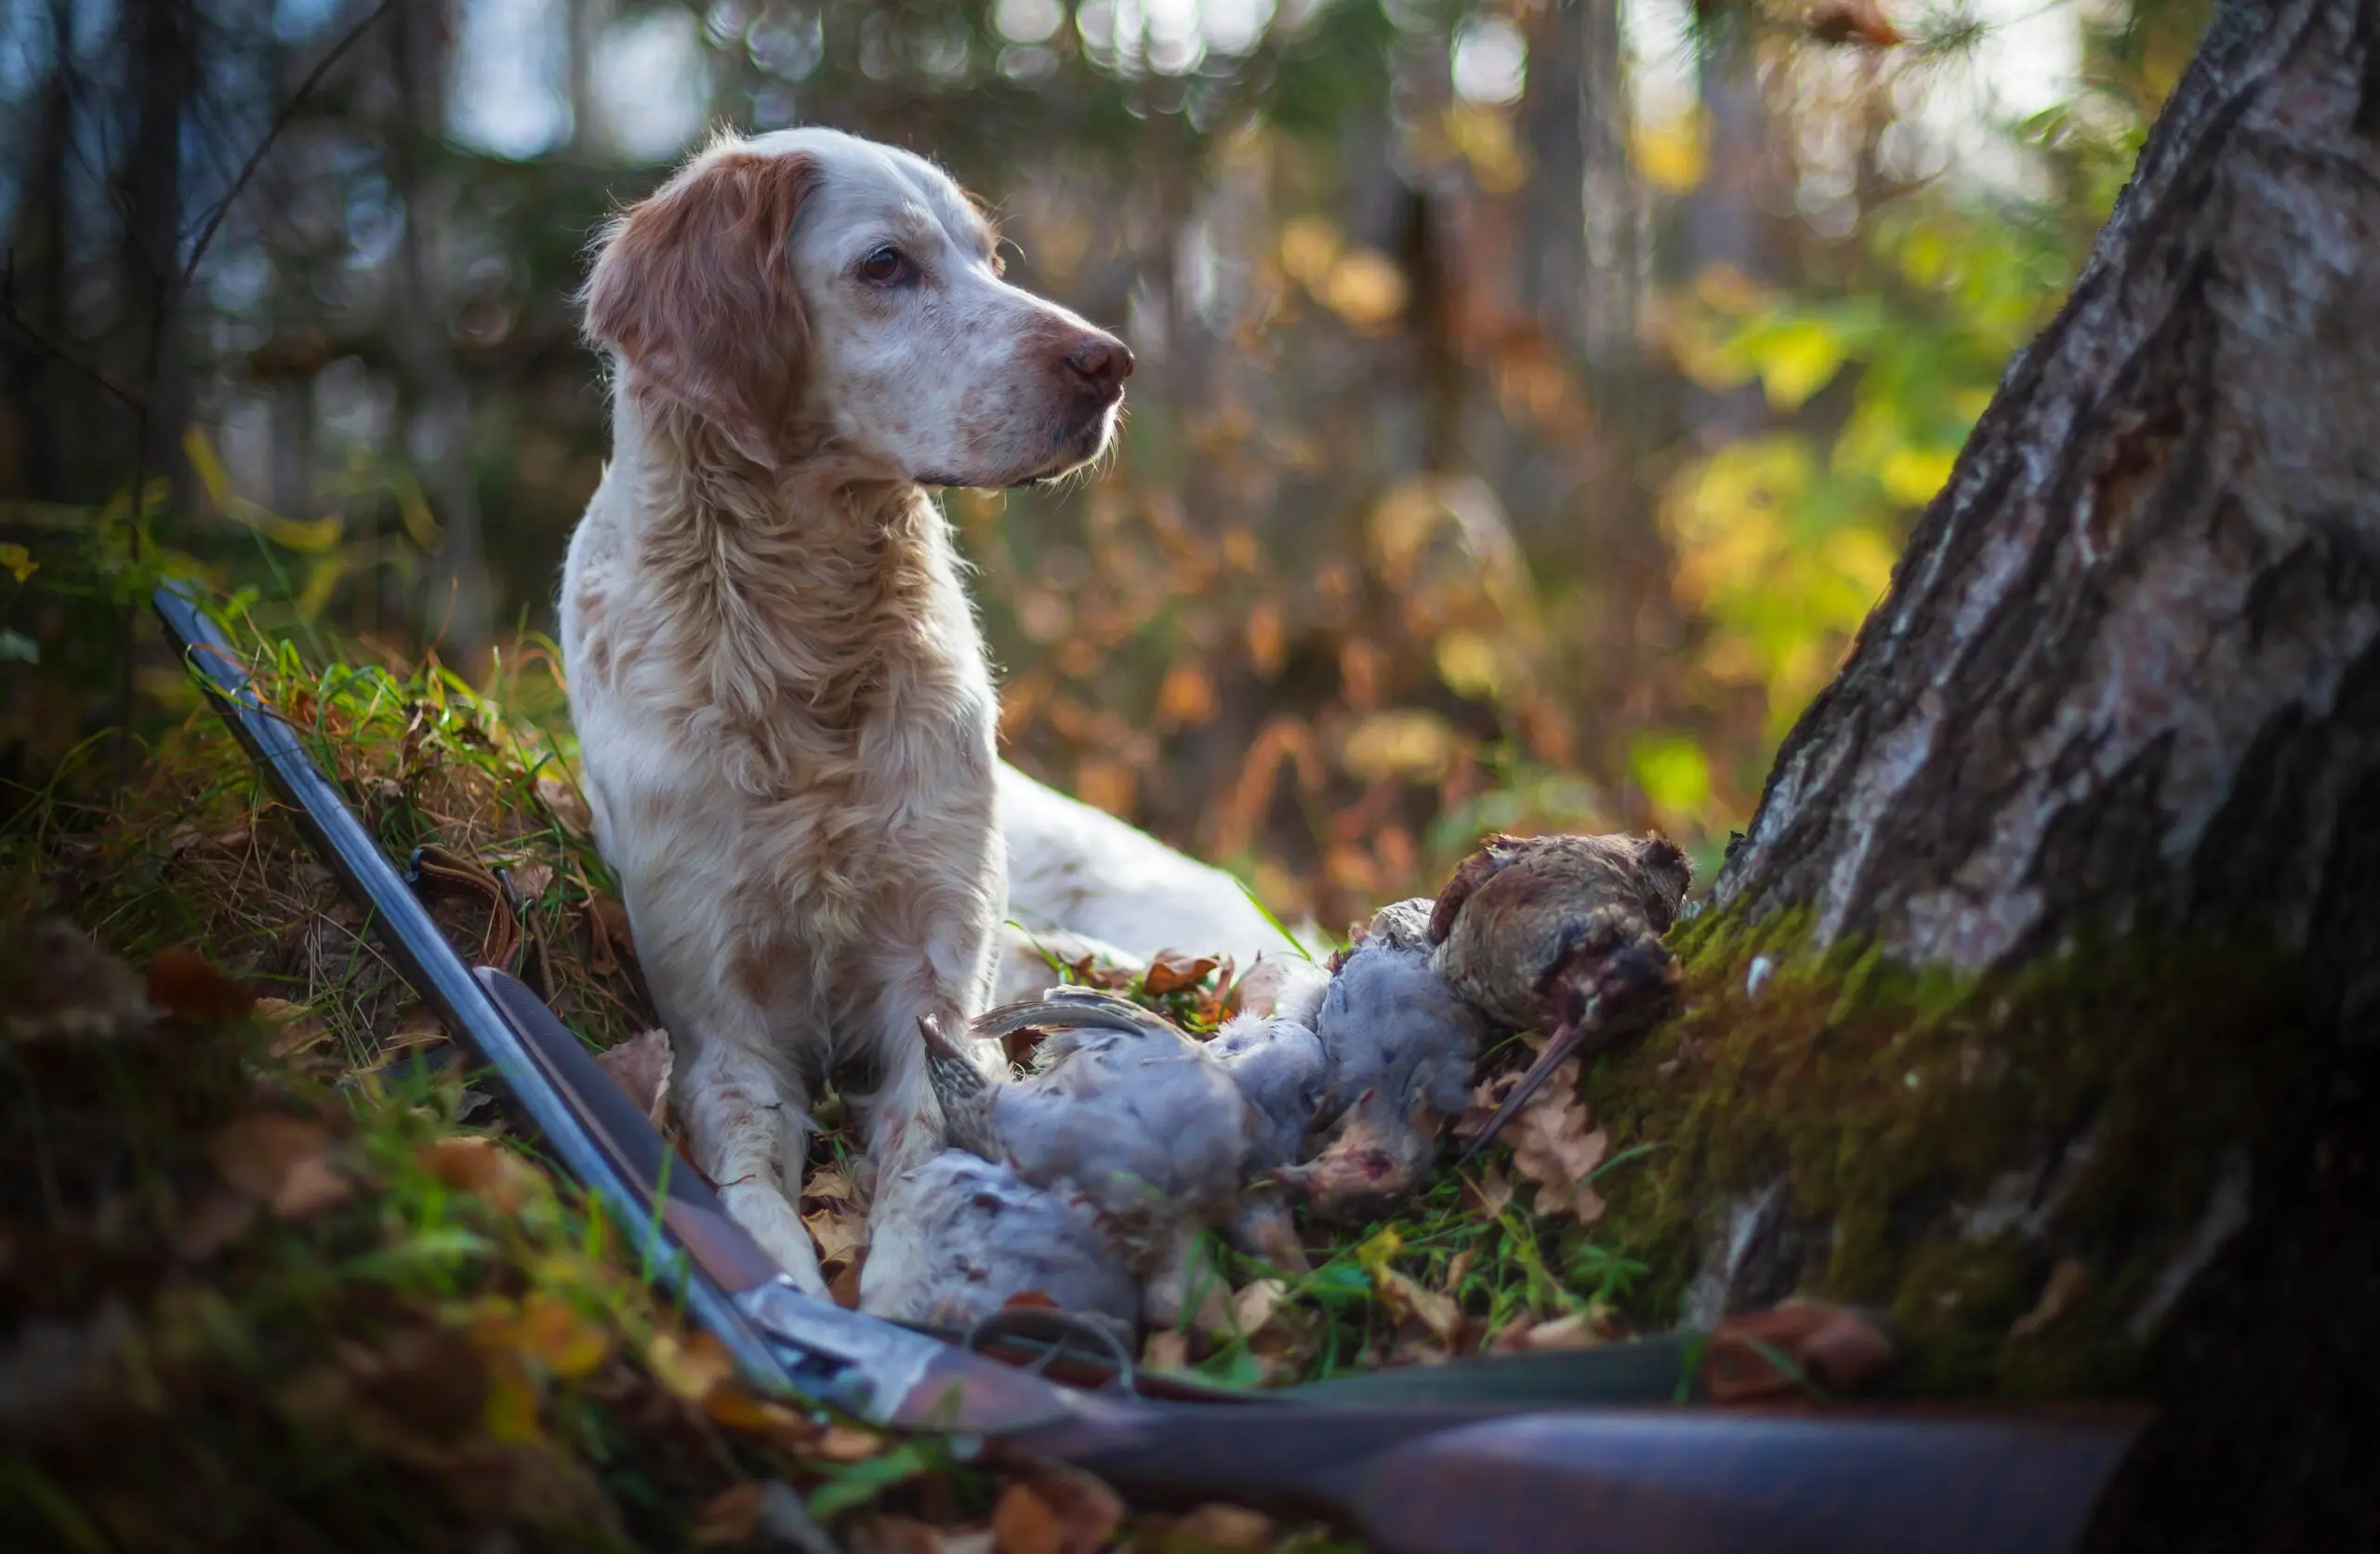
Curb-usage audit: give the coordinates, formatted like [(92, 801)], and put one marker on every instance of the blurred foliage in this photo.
[(1533, 396)]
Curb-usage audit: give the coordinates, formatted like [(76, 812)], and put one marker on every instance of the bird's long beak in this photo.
[(1566, 1039)]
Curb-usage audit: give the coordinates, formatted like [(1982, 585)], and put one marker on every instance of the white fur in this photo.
[(782, 705)]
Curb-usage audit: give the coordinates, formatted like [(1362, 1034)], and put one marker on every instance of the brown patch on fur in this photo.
[(594, 642), (695, 292), (755, 975)]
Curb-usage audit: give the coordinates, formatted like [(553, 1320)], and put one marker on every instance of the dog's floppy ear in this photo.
[(693, 288)]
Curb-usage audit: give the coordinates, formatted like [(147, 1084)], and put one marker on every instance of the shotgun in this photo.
[(1407, 1469)]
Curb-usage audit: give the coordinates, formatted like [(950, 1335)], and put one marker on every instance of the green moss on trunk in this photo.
[(1947, 1143)]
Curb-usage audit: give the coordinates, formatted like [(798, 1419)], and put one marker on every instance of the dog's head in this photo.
[(805, 289)]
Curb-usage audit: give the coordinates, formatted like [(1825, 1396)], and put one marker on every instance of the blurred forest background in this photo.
[(1533, 396)]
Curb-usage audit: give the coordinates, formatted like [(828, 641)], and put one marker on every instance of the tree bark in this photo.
[(2108, 754), (2128, 674)]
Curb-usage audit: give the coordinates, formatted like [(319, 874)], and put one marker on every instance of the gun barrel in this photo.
[(1642, 1481), (426, 961)]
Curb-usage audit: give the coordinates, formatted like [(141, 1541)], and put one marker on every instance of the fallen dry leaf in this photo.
[(2066, 1284), (1258, 990), (610, 919), (481, 1167), (1554, 1147), (295, 1026), (280, 1160), (563, 801), (843, 1443), (1253, 1308), (186, 986), (1220, 1526), (1580, 1330), (1166, 1351), (1089, 972), (843, 1286), (1171, 972), (641, 1067), (1490, 1193), (734, 1405), (730, 1518), (1840, 1350), (1407, 1301), (530, 880), (1056, 1510), (692, 1367), (839, 1234), (213, 1223), (1854, 22), (830, 1184), (558, 1335), (905, 1535)]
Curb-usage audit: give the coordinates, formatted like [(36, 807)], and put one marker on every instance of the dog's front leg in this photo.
[(749, 1124), (948, 977)]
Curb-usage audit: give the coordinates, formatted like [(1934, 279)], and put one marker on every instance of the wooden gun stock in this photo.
[(1631, 1480), (1482, 1479)]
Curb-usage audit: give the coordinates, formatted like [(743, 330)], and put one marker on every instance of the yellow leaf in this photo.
[(512, 1401), (1187, 698), (1366, 288), (1862, 557), (1309, 247), (206, 466), (421, 527), (559, 1336), (1911, 475), (322, 581), (479, 1166), (1486, 139), (1376, 1252), (1674, 772), (1399, 743), (1469, 664), (1674, 154), (690, 1368), (306, 535), (1796, 360), (18, 561)]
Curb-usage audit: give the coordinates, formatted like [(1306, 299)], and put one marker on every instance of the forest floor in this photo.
[(290, 1280)]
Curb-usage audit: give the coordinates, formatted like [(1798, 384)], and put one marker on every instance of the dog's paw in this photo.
[(770, 1220)]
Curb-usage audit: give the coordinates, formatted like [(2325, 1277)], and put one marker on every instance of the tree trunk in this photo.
[(2040, 1005)]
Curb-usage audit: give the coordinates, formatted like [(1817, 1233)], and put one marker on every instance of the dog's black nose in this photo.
[(1102, 363)]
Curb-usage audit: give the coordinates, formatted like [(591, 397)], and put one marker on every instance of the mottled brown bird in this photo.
[(1562, 935)]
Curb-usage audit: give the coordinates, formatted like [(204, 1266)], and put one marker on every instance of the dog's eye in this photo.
[(887, 267)]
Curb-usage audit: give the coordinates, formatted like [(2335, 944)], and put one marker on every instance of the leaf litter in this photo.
[(485, 1333)]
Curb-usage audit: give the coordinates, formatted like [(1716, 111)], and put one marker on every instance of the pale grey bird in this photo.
[(1145, 1122), (1282, 1071), (958, 1237), (1400, 1045)]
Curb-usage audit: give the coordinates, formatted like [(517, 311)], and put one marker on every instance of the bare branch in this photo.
[(57, 349), (279, 122)]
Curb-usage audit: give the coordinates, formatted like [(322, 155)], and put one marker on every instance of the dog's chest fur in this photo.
[(786, 717)]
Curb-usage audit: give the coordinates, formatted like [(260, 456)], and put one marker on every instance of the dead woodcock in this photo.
[(1119, 1106), (1400, 1048), (1561, 934)]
